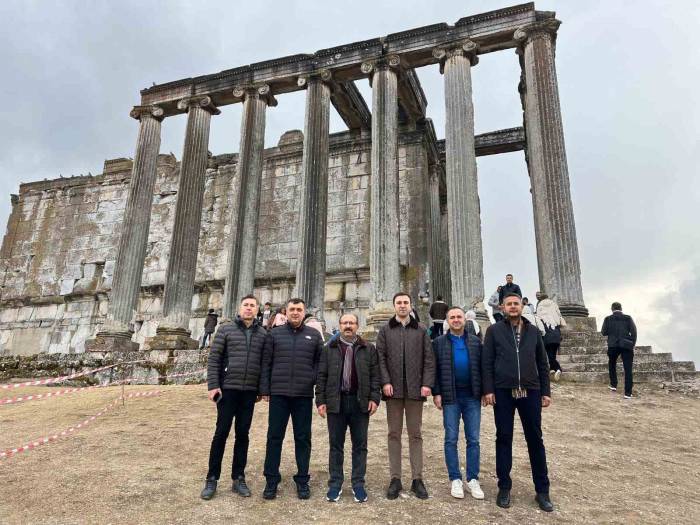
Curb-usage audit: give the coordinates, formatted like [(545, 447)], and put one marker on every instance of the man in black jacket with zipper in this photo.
[(289, 369), (515, 375), (233, 375), (348, 392), (621, 332)]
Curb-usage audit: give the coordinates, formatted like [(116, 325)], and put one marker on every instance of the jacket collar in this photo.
[(297, 329), (412, 323), (242, 325), (359, 343)]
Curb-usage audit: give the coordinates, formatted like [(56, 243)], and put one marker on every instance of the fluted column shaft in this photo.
[(184, 243), (128, 268), (313, 213), (435, 245), (240, 277), (384, 262), (463, 209), (557, 248)]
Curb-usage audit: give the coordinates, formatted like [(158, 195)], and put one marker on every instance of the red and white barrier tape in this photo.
[(52, 380), (48, 439), (33, 397)]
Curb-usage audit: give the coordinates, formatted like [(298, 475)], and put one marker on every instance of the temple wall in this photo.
[(57, 257)]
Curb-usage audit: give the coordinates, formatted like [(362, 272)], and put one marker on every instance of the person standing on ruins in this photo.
[(509, 287), (515, 375), (209, 327), (549, 315), (495, 304), (622, 338), (348, 392), (233, 375), (438, 311), (407, 367), (457, 392), (289, 369)]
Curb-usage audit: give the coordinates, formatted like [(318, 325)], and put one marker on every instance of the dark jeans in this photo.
[(205, 338), (281, 408), (627, 358), (530, 412), (437, 329), (238, 404), (552, 349), (350, 415)]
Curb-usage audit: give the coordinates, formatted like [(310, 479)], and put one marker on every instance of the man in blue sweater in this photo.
[(457, 393)]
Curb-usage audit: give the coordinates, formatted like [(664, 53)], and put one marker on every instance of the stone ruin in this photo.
[(129, 261)]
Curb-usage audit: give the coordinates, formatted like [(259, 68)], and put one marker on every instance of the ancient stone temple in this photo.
[(134, 257)]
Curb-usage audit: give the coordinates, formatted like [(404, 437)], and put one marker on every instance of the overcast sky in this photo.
[(628, 78)]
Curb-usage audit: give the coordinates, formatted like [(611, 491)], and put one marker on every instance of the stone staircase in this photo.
[(583, 358)]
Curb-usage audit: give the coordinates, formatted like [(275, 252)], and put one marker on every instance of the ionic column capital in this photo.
[(465, 48), (152, 111), (542, 29), (262, 91), (389, 62), (323, 75), (203, 102)]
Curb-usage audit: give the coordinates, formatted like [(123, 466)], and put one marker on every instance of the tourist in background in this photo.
[(407, 367), (438, 311), (457, 392), (209, 327), (527, 307), (348, 392), (514, 375), (508, 288), (311, 320), (495, 304), (233, 377), (471, 326), (280, 318), (549, 315), (289, 369), (266, 315), (622, 338)]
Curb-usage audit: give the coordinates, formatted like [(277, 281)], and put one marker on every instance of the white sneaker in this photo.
[(457, 490), (612, 388), (557, 375), (475, 489)]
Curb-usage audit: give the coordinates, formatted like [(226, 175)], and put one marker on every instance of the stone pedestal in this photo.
[(111, 344), (377, 317), (555, 229)]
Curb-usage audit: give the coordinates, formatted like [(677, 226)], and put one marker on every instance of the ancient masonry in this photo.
[(130, 260)]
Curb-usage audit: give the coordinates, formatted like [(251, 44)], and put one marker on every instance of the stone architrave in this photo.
[(463, 209), (240, 276), (184, 243), (116, 332), (555, 230), (384, 262), (313, 213)]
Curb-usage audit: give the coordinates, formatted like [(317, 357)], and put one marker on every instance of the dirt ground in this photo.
[(610, 461)]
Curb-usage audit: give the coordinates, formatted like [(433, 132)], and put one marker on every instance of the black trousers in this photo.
[(552, 349), (627, 359), (530, 412), (350, 415), (239, 404), (281, 408)]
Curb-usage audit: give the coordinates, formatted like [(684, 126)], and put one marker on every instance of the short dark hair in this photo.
[(509, 275), (250, 296), (455, 308), (400, 294), (438, 298), (211, 310), (526, 299), (296, 300), (512, 294), (268, 303), (357, 319), (616, 306)]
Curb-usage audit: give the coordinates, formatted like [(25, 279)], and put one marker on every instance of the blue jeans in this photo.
[(467, 408)]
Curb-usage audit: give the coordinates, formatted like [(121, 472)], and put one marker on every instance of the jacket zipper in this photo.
[(517, 355), (294, 348), (247, 355)]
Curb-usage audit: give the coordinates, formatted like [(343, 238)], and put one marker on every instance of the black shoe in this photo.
[(394, 489), (270, 491), (503, 498), (303, 491), (542, 499), (209, 489), (418, 488), (240, 487)]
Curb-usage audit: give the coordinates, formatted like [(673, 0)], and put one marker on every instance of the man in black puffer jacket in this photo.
[(290, 366), (621, 332), (233, 376), (515, 375)]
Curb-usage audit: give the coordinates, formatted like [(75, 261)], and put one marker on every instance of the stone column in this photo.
[(116, 333), (466, 258), (435, 246), (184, 243), (557, 249), (385, 270), (313, 213), (240, 277)]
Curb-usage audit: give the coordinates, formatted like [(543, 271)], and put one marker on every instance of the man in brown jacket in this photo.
[(407, 369)]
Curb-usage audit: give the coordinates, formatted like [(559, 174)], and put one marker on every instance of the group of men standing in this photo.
[(349, 377)]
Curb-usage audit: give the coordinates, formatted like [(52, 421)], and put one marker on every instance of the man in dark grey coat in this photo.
[(290, 366), (233, 375), (348, 393), (622, 338)]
